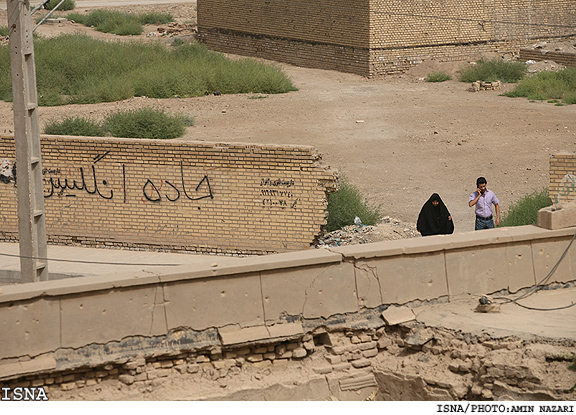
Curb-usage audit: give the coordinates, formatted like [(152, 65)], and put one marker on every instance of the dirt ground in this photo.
[(399, 139)]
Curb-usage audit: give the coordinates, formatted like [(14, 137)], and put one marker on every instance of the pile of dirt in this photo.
[(387, 229)]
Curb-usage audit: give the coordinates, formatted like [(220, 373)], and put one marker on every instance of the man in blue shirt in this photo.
[(483, 199)]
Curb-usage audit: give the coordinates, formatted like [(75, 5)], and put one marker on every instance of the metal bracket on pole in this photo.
[(31, 215)]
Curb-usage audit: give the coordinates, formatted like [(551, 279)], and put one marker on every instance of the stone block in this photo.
[(299, 353), (557, 216), (341, 366), (398, 314), (360, 363), (34, 327), (215, 302), (104, 316), (425, 272), (477, 271), (322, 370), (370, 353), (311, 291), (546, 253)]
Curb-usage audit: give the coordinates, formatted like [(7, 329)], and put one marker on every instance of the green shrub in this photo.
[(122, 24), (438, 77), (75, 68), (548, 85), (4, 31), (493, 70), (347, 203), (67, 5), (154, 18), (75, 126), (142, 123), (525, 210), (146, 123)]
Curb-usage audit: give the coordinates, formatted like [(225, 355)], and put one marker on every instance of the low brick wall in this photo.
[(563, 177), (259, 302), (566, 59), (174, 195)]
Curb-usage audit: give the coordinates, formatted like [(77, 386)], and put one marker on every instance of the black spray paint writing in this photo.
[(92, 184), (277, 197), (152, 192)]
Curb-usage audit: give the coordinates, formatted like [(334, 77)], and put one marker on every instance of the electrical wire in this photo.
[(90, 262), (539, 285)]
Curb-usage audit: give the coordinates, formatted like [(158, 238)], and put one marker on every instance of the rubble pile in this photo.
[(387, 229)]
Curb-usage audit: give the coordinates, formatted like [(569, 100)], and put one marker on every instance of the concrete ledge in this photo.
[(29, 366), (260, 297)]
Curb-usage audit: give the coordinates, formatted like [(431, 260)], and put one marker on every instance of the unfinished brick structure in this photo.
[(563, 177), (204, 197), (377, 37)]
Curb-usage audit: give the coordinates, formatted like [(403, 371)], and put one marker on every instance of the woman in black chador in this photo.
[(434, 218)]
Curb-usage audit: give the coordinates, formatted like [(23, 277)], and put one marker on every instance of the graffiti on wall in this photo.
[(567, 188), (101, 183), (278, 193), (7, 171), (62, 182)]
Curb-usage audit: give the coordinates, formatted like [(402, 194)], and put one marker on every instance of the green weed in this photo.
[(67, 5), (438, 77), (146, 123), (347, 203), (525, 210), (554, 86), (75, 68), (75, 126), (122, 24), (493, 70)]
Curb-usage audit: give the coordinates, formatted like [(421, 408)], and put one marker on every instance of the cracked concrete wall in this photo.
[(62, 324)]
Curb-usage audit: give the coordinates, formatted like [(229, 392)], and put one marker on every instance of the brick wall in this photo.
[(563, 177), (218, 198), (376, 37), (566, 59)]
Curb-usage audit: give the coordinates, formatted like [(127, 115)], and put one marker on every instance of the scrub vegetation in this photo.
[(66, 5), (438, 77), (525, 210), (493, 70), (347, 203), (122, 24), (140, 123), (77, 69), (554, 86)]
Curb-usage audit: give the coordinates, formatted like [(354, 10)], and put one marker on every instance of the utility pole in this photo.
[(31, 215)]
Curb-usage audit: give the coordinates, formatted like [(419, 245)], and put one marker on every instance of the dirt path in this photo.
[(399, 139)]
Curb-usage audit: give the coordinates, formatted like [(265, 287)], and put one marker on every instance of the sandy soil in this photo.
[(399, 139)]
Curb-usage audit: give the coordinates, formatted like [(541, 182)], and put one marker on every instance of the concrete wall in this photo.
[(66, 324), (376, 37), (204, 197)]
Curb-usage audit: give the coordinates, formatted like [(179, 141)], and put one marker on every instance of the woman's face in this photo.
[(435, 203)]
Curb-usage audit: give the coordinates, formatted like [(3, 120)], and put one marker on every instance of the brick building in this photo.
[(378, 37)]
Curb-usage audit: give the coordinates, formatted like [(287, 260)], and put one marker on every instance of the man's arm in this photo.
[(474, 201), (497, 222)]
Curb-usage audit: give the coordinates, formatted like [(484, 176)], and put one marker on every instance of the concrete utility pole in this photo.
[(31, 216)]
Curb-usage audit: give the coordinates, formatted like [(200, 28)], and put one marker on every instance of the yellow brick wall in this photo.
[(220, 198), (563, 177), (377, 37)]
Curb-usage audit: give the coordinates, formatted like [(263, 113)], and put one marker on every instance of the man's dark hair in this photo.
[(480, 180)]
